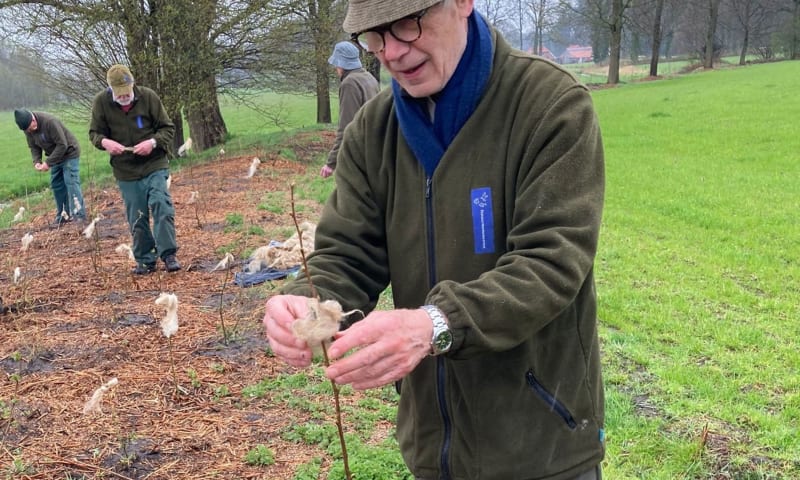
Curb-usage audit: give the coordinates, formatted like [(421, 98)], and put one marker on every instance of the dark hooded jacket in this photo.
[(53, 139)]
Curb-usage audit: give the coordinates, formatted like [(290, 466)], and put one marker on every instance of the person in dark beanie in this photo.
[(473, 187), (47, 135), (357, 86), (130, 123)]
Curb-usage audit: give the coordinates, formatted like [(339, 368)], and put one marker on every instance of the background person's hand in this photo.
[(281, 312), (326, 171), (385, 347), (143, 148), (111, 146)]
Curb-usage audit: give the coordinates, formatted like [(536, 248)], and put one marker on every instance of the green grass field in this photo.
[(699, 275), (248, 123), (698, 268)]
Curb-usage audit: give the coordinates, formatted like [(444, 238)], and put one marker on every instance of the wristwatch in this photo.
[(442, 338)]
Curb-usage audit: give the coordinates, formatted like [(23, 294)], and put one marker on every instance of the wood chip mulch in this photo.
[(77, 318)]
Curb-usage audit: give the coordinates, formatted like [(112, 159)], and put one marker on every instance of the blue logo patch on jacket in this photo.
[(482, 220)]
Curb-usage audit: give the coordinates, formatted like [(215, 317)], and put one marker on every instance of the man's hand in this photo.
[(112, 147), (143, 148), (41, 166), (326, 172), (281, 312), (386, 346)]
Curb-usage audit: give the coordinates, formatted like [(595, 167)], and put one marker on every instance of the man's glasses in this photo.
[(407, 30)]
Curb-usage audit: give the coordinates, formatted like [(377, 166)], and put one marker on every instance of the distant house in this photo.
[(546, 53), (577, 54)]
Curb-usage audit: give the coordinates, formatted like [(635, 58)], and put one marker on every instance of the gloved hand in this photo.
[(112, 147)]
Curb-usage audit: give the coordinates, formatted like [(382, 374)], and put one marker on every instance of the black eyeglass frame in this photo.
[(387, 27)]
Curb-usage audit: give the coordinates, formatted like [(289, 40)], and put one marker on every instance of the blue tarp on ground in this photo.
[(244, 279)]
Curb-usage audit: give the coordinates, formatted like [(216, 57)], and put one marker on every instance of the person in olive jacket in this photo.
[(357, 86), (130, 123), (474, 186), (47, 134)]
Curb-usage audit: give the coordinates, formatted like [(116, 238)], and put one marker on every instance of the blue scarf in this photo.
[(454, 104)]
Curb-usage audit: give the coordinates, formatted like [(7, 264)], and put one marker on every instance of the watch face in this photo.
[(443, 341)]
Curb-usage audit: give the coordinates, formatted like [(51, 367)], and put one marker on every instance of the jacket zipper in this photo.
[(551, 401), (440, 389)]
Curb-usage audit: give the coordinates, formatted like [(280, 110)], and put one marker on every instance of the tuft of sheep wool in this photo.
[(125, 249), (320, 323), (169, 324), (19, 214), (284, 255), (253, 167), (26, 242), (225, 263), (94, 403)]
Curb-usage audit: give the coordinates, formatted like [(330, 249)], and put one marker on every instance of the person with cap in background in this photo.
[(474, 186), (356, 87), (130, 123), (47, 135)]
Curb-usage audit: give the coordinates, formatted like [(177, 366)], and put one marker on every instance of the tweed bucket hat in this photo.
[(365, 14)]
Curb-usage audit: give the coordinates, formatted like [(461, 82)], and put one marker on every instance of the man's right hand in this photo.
[(41, 166), (112, 147), (326, 172), (281, 313)]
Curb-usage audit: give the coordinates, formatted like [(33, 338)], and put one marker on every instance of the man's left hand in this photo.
[(386, 346), (144, 148)]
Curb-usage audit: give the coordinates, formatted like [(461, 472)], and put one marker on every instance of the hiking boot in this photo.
[(144, 268), (172, 263)]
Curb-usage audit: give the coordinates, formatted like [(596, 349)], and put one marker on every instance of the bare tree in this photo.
[(187, 50), (711, 29), (612, 16), (755, 20), (655, 52), (541, 11)]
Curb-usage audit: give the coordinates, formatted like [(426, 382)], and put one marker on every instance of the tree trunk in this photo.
[(795, 47), (205, 118), (713, 14), (373, 66), (616, 42), (745, 42), (656, 52)]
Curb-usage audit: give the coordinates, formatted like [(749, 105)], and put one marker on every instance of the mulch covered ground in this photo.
[(77, 318)]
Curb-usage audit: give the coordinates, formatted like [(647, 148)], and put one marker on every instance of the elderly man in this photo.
[(47, 135), (130, 123), (474, 186), (357, 86)]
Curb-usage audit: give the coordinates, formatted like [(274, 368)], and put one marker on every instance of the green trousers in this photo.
[(144, 199)]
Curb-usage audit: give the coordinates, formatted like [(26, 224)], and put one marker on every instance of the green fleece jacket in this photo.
[(502, 239), (146, 119), (53, 139)]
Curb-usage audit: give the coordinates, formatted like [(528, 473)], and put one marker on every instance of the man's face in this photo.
[(33, 126), (124, 99), (424, 66)]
